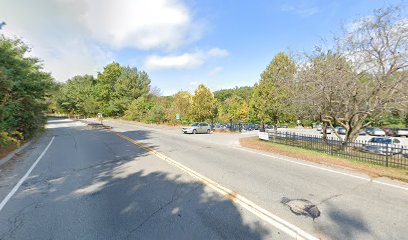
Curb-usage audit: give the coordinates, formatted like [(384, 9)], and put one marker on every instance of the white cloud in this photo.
[(301, 8), (183, 61), (215, 71), (78, 37), (141, 24), (217, 52)]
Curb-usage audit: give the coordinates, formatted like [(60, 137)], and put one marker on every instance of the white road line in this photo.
[(390, 185), (262, 213), (17, 186), (325, 169)]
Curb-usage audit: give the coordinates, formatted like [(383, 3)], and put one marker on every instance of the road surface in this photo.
[(138, 182)]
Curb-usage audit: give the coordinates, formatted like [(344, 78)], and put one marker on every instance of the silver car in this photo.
[(373, 131), (383, 146), (197, 128), (399, 132)]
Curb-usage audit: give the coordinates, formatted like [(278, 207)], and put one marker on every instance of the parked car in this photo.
[(383, 146), (329, 130), (340, 130), (197, 128), (388, 131), (399, 132), (373, 131), (343, 131)]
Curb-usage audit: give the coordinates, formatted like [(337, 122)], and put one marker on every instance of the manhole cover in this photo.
[(302, 207)]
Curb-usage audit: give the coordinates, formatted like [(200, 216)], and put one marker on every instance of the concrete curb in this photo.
[(13, 153)]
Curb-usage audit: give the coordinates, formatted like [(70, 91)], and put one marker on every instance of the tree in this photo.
[(271, 97), (76, 96), (365, 79), (138, 109), (131, 84), (237, 109), (181, 105), (202, 107), (323, 82), (241, 92), (105, 87), (157, 112), (24, 87), (378, 49)]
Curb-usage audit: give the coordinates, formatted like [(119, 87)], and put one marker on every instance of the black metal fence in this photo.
[(390, 155)]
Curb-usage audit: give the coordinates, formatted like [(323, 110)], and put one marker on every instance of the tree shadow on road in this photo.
[(152, 204), (125, 193), (343, 224)]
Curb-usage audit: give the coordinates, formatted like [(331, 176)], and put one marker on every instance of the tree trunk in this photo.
[(351, 135), (275, 124), (353, 130), (324, 131)]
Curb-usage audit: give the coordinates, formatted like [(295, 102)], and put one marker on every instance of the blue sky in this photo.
[(180, 43)]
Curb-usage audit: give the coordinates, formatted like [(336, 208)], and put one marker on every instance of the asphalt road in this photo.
[(94, 184)]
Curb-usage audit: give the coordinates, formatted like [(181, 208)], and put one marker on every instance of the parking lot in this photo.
[(309, 131)]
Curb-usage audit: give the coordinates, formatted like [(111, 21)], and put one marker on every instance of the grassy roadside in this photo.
[(322, 158)]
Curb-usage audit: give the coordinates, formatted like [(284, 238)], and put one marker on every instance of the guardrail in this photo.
[(390, 155)]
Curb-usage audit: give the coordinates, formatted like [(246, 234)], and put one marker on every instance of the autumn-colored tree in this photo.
[(181, 105), (237, 109), (202, 107)]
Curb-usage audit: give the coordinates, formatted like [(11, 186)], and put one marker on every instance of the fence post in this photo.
[(386, 155), (331, 146)]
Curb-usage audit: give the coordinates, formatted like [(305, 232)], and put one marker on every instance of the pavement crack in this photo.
[(329, 198), (16, 222), (75, 143)]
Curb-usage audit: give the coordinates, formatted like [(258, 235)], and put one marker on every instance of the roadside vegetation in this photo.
[(361, 81), (24, 92)]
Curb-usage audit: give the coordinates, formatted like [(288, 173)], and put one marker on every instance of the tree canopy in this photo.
[(202, 107), (24, 87)]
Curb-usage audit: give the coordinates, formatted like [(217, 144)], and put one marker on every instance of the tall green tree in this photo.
[(202, 107), (105, 87), (271, 97), (130, 85), (23, 89), (77, 96)]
